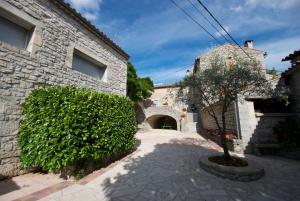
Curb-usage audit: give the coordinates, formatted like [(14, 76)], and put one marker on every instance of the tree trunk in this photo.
[(223, 138)]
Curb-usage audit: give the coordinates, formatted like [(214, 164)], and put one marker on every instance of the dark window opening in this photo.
[(269, 106), (162, 122), (88, 65), (14, 33)]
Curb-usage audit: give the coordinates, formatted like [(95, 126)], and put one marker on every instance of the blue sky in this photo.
[(163, 43)]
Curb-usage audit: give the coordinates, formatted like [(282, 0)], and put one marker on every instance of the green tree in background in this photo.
[(138, 88), (272, 72)]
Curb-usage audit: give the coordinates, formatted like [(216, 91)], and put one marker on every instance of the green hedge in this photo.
[(66, 126)]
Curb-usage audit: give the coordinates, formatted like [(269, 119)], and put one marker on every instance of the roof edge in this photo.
[(226, 44), (87, 24)]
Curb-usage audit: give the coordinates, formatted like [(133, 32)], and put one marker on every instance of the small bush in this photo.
[(288, 133), (66, 126)]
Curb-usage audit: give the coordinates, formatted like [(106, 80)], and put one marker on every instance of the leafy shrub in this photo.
[(66, 126), (288, 133)]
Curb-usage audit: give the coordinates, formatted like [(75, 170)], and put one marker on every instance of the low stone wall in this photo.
[(250, 173), (234, 145), (207, 122)]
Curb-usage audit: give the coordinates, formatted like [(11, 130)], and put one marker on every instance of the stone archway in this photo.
[(170, 115), (162, 122)]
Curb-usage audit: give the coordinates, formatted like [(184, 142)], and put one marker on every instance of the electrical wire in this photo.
[(219, 23), (212, 25), (195, 21)]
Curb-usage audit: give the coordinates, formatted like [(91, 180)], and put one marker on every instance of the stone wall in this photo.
[(263, 133), (257, 128), (247, 121), (227, 51), (207, 121), (166, 96), (47, 61)]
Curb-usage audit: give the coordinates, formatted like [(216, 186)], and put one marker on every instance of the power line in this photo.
[(195, 21), (222, 27), (212, 25)]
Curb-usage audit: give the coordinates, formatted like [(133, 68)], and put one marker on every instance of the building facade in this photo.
[(250, 119), (227, 52), (164, 110), (46, 42)]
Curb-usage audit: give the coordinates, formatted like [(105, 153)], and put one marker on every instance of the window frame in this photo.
[(27, 31), (23, 19), (90, 59)]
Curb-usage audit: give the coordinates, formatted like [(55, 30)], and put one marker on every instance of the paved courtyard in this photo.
[(165, 167)]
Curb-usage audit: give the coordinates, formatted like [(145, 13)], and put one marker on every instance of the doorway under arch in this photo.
[(162, 122)]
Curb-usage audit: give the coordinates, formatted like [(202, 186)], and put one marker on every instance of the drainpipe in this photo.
[(237, 119)]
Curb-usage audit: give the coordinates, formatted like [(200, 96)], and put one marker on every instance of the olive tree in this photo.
[(220, 83)]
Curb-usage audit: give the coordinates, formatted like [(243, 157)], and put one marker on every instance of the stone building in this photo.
[(292, 79), (46, 42), (163, 110), (227, 52), (251, 120)]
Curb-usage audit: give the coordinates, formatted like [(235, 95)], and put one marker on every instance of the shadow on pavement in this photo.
[(171, 172), (7, 186)]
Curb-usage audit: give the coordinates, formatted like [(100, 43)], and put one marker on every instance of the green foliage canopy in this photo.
[(66, 126), (138, 88)]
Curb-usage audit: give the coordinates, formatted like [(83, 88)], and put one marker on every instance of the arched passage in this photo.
[(162, 122)]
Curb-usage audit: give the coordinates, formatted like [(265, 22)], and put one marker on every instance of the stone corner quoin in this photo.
[(56, 31)]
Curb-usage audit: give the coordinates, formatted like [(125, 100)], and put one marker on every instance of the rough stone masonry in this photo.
[(56, 31)]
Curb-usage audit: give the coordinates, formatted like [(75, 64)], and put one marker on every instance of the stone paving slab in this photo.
[(165, 167), (24, 185)]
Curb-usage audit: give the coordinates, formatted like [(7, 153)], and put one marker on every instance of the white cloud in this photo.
[(151, 31), (86, 4), (275, 4), (278, 49), (169, 75), (90, 16), (238, 8), (254, 22), (89, 8), (222, 32)]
